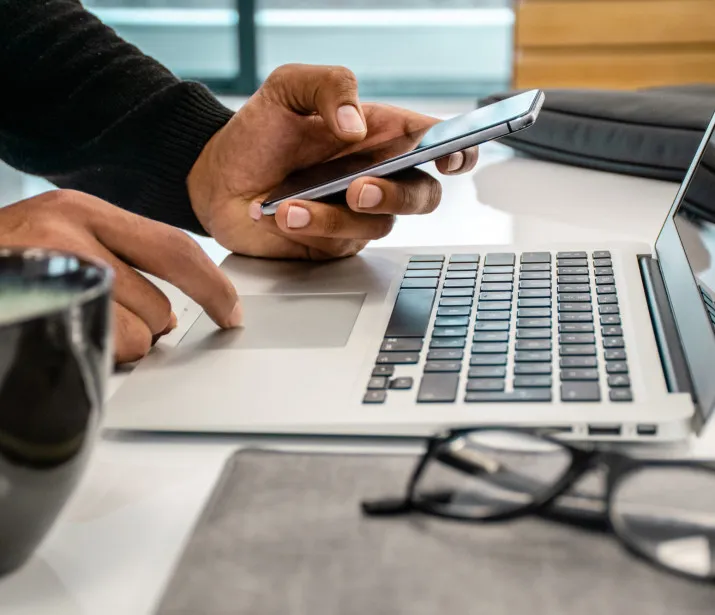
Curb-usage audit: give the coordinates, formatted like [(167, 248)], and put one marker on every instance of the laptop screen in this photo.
[(686, 253)]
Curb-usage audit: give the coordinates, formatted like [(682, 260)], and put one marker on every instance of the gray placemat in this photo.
[(283, 534)]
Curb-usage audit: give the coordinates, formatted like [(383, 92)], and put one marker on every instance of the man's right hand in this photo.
[(91, 228)]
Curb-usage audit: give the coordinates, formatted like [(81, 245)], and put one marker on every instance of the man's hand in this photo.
[(89, 227), (301, 116)]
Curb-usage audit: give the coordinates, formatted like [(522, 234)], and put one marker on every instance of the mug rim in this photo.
[(103, 286)]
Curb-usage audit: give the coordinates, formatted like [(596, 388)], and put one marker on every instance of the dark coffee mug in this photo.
[(55, 359)]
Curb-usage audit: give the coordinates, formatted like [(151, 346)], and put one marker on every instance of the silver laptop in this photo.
[(594, 341)]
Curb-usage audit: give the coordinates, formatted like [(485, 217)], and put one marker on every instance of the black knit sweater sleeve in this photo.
[(87, 110)]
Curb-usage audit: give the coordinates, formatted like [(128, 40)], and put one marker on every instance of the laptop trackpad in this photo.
[(283, 321)]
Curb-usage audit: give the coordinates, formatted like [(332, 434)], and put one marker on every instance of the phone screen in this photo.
[(440, 133)]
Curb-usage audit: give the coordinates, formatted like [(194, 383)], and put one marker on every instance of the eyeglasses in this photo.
[(663, 511)]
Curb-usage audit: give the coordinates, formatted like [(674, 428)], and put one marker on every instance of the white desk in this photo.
[(113, 548)]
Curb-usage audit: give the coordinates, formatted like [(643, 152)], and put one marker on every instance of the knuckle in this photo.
[(332, 222), (434, 195), (342, 80), (133, 339), (384, 226)]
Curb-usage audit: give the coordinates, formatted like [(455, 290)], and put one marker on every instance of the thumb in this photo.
[(330, 91)]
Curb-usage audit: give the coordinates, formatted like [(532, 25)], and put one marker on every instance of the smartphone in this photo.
[(406, 151)]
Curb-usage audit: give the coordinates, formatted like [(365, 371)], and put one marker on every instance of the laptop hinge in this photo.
[(672, 358)]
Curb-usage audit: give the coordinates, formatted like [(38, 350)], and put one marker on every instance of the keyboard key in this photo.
[(532, 356), (487, 359), (460, 275), (495, 296), (454, 301), (422, 273), (607, 299), (375, 397), (571, 255), (614, 354), (573, 279), (489, 348), (533, 323), (485, 384), (427, 258), (493, 315), (445, 354), (383, 370), (534, 293), (403, 383), (401, 344), (603, 271), (579, 374), (532, 303), (438, 387), (487, 371), (498, 277), (611, 330), (570, 362), (577, 338), (425, 266), (532, 334), (606, 289), (499, 269), (619, 380), (419, 283), (443, 366), (451, 321), (620, 395), (377, 382), (616, 367), (534, 313), (575, 317), (580, 391), (613, 342), (462, 267), (457, 292), (602, 262), (459, 283), (536, 344), (398, 358), (572, 262), (532, 369), (572, 271), (605, 279), (573, 288), (463, 310), (496, 286), (575, 307), (448, 342), (601, 254), (576, 327), (525, 395), (536, 257), (499, 258), (494, 305), (608, 309), (449, 332), (531, 381), (536, 267), (575, 297), (526, 284), (610, 319), (571, 350), (491, 325), (411, 313), (491, 336), (535, 275), (464, 258)]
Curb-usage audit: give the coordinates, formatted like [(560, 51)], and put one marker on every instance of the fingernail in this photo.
[(254, 210), (349, 119), (236, 318), (455, 162), (370, 196), (298, 217)]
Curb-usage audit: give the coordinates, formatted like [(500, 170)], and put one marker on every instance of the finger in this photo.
[(459, 162), (132, 337), (171, 255), (330, 91), (412, 192), (309, 218)]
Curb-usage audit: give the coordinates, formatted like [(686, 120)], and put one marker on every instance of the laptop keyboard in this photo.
[(495, 337)]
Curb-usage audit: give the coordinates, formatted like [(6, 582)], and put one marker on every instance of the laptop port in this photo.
[(604, 430), (647, 430)]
